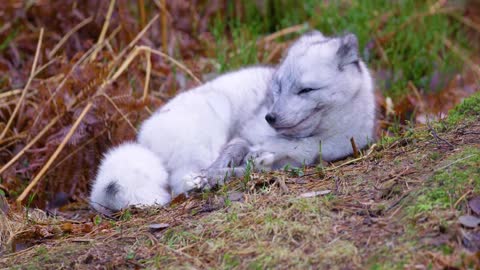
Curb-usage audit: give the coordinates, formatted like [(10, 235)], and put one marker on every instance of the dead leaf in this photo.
[(158, 226), (66, 227), (235, 196), (475, 205), (4, 208), (315, 193), (469, 221)]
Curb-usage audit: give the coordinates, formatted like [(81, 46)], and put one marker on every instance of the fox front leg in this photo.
[(295, 152)]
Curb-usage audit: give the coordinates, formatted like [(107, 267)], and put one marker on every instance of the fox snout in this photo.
[(271, 118)]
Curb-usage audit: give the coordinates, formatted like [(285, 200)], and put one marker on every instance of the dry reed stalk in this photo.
[(140, 49), (370, 151), (289, 30), (163, 11), (101, 38), (141, 10), (171, 59), (70, 72), (10, 93), (65, 38), (147, 75), (133, 42), (54, 155), (356, 153), (119, 111), (25, 89), (89, 141)]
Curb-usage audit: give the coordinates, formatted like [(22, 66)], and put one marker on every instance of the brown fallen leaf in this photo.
[(315, 193), (235, 196), (66, 227), (4, 208), (469, 221), (158, 226), (475, 205)]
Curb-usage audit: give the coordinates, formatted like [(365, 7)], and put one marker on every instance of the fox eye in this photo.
[(306, 90)]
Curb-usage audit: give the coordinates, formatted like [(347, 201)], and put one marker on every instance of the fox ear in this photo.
[(348, 51), (314, 33)]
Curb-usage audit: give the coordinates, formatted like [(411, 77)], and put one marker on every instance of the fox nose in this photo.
[(271, 118)]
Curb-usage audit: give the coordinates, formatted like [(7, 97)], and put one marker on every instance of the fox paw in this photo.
[(262, 160), (195, 181)]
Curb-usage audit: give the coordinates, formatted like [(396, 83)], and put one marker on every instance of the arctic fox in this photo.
[(319, 97), (321, 94), (186, 135)]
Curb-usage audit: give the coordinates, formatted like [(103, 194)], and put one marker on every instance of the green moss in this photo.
[(468, 110), (451, 180)]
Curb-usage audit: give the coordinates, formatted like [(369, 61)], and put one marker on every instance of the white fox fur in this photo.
[(129, 174)]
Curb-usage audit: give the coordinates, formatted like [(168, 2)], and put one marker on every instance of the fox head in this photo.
[(317, 75)]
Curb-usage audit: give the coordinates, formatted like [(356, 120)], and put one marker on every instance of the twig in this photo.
[(71, 32), (101, 38), (25, 89), (147, 75), (461, 198), (141, 10), (139, 49), (134, 41), (284, 32), (30, 144), (163, 11), (10, 93), (356, 154), (55, 154), (119, 111), (437, 137), (77, 150), (452, 163), (370, 151)]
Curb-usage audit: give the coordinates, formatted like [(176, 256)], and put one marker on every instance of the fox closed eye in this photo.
[(308, 90)]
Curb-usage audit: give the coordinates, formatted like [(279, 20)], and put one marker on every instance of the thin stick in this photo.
[(178, 64), (147, 75), (370, 151), (67, 36), (10, 93), (141, 10), (461, 198), (77, 150), (163, 11), (284, 32), (101, 38), (139, 49), (119, 111), (356, 154), (25, 89), (55, 154), (135, 40), (31, 143)]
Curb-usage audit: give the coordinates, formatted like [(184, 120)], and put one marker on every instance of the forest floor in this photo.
[(411, 202)]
